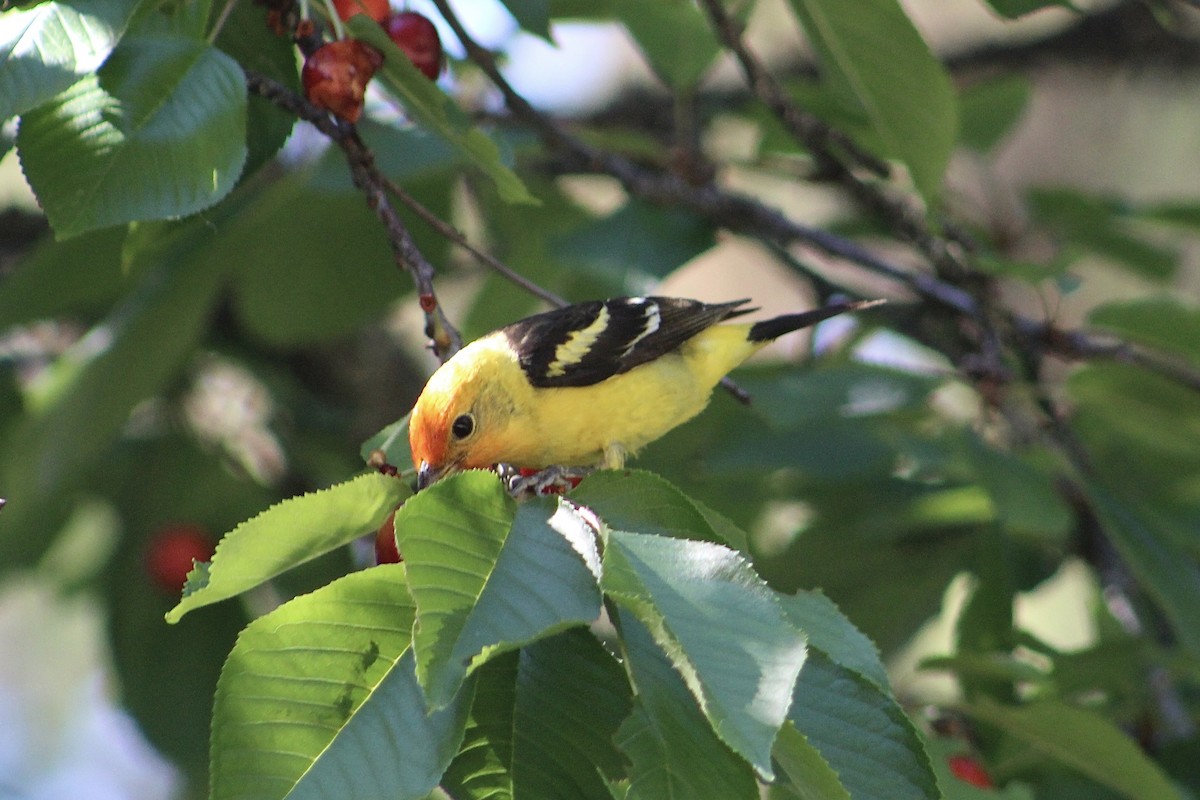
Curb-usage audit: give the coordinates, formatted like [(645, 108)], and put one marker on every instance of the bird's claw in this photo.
[(522, 483)]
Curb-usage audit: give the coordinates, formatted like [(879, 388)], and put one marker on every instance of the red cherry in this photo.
[(418, 38), (172, 551), (386, 551), (375, 9), (335, 77), (968, 769)]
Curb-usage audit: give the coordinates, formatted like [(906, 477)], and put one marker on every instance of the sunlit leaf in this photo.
[(720, 626), (49, 46), (159, 132), (291, 533), (488, 575)]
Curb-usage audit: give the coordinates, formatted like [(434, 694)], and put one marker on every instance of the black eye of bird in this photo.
[(463, 426)]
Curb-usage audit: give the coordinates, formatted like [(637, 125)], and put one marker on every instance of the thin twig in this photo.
[(734, 211), (809, 130), (448, 231), (835, 151), (1077, 345), (366, 176)]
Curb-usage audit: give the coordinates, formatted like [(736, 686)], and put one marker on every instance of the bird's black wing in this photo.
[(583, 344)]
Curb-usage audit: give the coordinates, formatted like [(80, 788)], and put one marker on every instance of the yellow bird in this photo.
[(585, 385)]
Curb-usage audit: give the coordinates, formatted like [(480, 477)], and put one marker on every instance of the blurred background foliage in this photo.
[(1007, 517)]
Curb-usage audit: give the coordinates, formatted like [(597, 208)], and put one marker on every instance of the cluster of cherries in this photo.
[(335, 76)]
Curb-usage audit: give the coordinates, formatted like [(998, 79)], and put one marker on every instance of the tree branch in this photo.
[(374, 185)]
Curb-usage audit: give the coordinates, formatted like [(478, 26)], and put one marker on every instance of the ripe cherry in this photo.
[(386, 551), (335, 77), (967, 768), (172, 551), (375, 9), (418, 38)]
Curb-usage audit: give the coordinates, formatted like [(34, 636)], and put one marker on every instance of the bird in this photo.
[(585, 385)]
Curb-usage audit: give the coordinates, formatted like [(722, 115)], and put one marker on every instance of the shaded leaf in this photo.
[(873, 54), (64, 277), (720, 626), (660, 27), (288, 534), (1162, 323), (81, 403), (1103, 226), (531, 15), (1011, 9), (861, 732), (808, 775), (434, 111), (671, 746), (988, 110), (1164, 571), (542, 723), (829, 631), (1083, 740), (642, 501)]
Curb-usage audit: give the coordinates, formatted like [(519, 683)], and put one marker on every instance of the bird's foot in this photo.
[(524, 482)]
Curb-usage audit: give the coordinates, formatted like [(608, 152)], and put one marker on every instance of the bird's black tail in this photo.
[(774, 328)]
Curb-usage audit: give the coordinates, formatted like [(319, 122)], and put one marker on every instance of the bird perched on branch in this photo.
[(587, 384)]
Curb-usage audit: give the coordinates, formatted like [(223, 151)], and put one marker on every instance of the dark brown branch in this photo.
[(826, 142), (1079, 345), (374, 185), (837, 154), (734, 211)]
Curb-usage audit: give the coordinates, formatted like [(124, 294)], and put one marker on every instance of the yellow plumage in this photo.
[(584, 386)]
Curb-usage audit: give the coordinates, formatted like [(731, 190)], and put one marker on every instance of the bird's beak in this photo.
[(428, 474)]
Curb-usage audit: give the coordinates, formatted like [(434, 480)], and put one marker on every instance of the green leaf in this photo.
[(543, 722), (433, 110), (829, 631), (489, 576), (81, 404), (1011, 9), (807, 773), (1083, 740), (637, 245), (671, 746), (48, 47), (1164, 570), (720, 626), (989, 109), (797, 399), (288, 534), (158, 133), (252, 44), (862, 733), (872, 52), (1105, 227), (282, 283), (1022, 492), (1160, 322), (391, 746), (660, 27), (642, 501), (393, 441), (531, 15), (64, 277), (318, 699)]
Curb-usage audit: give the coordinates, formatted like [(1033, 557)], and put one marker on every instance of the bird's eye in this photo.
[(463, 426)]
